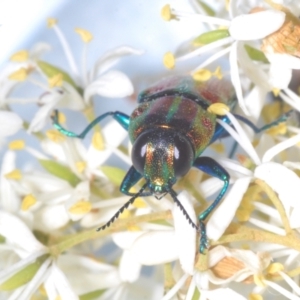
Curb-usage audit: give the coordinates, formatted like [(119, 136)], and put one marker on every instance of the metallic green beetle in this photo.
[(169, 130)]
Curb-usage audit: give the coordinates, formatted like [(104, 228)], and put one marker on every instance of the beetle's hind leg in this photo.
[(121, 118), (210, 167)]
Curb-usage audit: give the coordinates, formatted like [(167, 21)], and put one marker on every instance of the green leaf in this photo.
[(211, 36), (50, 71), (207, 9), (196, 294), (2, 239), (60, 171), (115, 175), (23, 276), (92, 295), (256, 54)]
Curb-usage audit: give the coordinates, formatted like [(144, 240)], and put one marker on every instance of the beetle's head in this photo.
[(162, 155)]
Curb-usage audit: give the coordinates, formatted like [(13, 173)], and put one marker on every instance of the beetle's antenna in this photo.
[(125, 206), (174, 196)]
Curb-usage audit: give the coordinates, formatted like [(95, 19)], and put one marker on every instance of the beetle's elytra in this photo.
[(169, 130)]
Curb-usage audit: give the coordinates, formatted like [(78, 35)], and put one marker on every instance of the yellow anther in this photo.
[(219, 109), (51, 22), (58, 298), (255, 297), (169, 60), (42, 290), (227, 2), (166, 13), (125, 214), (16, 145), (97, 141), (80, 166), (56, 80), (85, 35), (19, 75), (15, 174), (81, 207), (28, 201), (259, 280), (133, 228), (218, 147), (218, 73), (139, 203), (55, 136), (278, 129), (275, 92), (275, 268), (202, 75), (20, 56), (61, 118)]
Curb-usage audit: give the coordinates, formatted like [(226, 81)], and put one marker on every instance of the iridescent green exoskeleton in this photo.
[(169, 130)]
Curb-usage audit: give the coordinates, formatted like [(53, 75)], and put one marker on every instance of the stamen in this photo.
[(20, 56), (219, 109), (28, 201), (55, 136), (52, 23), (56, 80), (97, 141), (81, 207), (80, 166), (15, 174), (169, 60), (19, 75), (85, 35), (16, 145)]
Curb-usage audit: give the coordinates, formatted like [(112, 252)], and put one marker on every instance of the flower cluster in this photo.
[(51, 205)]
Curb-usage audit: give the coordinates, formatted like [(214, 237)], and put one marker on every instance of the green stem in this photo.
[(78, 238)]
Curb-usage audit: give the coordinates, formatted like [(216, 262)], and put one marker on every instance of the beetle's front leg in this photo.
[(210, 167), (121, 118), (130, 179)]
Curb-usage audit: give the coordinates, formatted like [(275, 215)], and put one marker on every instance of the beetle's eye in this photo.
[(138, 153), (183, 156)]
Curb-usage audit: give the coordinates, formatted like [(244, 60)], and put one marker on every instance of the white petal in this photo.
[(71, 98), (224, 214), (280, 147), (185, 234), (10, 123), (280, 76), (16, 232), (284, 60), (222, 293), (112, 57), (256, 25), (51, 217), (113, 84), (86, 274), (125, 239), (129, 267), (57, 282), (42, 117), (235, 77), (156, 247), (282, 180)]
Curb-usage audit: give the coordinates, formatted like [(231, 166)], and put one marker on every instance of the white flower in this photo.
[(250, 27)]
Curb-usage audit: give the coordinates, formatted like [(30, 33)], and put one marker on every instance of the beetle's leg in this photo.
[(121, 118), (256, 129), (131, 178), (221, 132), (125, 206), (210, 167)]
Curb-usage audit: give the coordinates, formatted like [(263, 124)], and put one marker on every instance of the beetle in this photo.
[(169, 130)]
